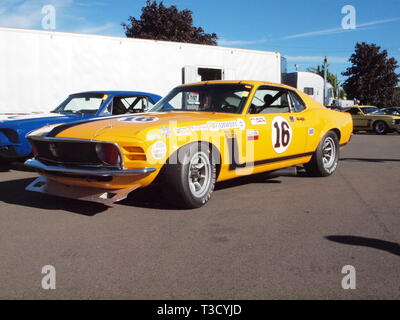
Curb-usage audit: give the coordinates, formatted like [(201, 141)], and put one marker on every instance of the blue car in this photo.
[(79, 106)]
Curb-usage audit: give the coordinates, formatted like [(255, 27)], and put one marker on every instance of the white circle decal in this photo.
[(281, 134), (159, 150), (138, 119)]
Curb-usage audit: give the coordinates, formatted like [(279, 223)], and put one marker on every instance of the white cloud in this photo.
[(360, 27), (97, 29), (26, 13), (224, 42), (332, 59)]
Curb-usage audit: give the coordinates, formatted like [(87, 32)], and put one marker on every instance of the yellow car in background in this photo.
[(197, 135), (369, 118)]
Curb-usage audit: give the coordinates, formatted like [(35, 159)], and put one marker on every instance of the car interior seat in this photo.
[(119, 107)]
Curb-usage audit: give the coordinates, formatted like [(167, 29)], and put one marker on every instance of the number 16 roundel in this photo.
[(281, 134)]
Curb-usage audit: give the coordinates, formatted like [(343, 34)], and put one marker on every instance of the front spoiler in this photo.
[(39, 166), (107, 197)]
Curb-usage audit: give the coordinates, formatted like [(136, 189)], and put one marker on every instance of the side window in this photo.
[(297, 103), (309, 91), (353, 111), (128, 104), (270, 100)]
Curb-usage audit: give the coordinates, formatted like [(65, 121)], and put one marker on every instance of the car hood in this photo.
[(33, 120), (11, 120), (134, 125)]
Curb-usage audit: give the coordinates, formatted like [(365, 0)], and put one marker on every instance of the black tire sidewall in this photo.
[(177, 176), (385, 125), (316, 167)]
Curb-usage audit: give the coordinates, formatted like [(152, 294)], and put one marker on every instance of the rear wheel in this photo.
[(325, 159), (380, 127), (190, 182)]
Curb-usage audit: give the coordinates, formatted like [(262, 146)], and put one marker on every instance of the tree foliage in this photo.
[(158, 22), (372, 78)]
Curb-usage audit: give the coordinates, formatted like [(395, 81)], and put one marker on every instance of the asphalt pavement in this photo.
[(258, 238)]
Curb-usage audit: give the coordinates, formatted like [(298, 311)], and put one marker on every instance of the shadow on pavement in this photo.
[(370, 160), (152, 197), (17, 166), (391, 247), (14, 192)]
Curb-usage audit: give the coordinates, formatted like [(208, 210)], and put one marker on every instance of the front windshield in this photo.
[(372, 110), (84, 103), (226, 98)]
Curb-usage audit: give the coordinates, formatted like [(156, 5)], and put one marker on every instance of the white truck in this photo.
[(40, 68)]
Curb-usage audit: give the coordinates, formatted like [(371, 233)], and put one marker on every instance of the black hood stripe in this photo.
[(57, 130)]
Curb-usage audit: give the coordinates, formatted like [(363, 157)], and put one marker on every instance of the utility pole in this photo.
[(325, 79)]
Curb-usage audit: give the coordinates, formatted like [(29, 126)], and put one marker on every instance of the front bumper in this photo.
[(41, 167), (107, 197)]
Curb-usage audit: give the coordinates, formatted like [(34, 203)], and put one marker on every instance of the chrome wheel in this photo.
[(328, 153), (199, 175)]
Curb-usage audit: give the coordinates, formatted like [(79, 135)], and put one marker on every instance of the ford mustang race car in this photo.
[(13, 129), (368, 118), (197, 135)]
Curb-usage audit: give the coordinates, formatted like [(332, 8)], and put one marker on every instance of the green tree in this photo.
[(372, 78), (396, 97), (158, 22)]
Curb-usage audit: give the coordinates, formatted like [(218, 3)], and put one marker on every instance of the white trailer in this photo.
[(308, 82), (38, 69)]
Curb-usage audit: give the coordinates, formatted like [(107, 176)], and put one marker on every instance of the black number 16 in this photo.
[(282, 134)]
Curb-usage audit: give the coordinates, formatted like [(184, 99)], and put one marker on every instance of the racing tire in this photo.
[(381, 128), (325, 159), (190, 180)]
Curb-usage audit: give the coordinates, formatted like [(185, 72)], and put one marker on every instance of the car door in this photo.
[(360, 120), (277, 122)]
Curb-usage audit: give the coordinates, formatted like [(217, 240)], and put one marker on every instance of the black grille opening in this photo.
[(67, 152)]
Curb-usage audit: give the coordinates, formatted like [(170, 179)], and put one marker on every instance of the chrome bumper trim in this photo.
[(39, 166)]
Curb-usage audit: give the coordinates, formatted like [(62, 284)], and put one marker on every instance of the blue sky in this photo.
[(304, 31)]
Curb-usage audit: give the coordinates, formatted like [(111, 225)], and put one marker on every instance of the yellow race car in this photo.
[(369, 118), (197, 135)]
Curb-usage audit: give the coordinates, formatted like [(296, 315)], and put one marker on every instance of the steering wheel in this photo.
[(226, 107)]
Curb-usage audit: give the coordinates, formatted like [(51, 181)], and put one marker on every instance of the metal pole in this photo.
[(325, 79)]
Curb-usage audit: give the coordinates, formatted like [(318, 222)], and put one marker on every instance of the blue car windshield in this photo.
[(225, 98), (84, 103)]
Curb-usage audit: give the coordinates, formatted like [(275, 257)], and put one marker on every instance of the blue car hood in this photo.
[(33, 121)]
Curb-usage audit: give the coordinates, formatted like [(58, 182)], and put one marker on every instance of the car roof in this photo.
[(121, 93), (249, 82)]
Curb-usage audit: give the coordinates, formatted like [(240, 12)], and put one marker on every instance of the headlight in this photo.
[(108, 153)]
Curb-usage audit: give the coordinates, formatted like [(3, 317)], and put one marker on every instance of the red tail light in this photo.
[(108, 153)]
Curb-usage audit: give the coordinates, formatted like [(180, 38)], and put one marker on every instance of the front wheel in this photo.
[(380, 127), (190, 182), (325, 159)]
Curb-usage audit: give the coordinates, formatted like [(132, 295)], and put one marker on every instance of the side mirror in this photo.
[(359, 113)]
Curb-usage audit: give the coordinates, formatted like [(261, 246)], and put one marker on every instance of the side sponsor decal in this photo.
[(253, 135), (256, 121), (225, 125), (281, 134), (165, 132), (182, 131), (153, 136), (138, 119)]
